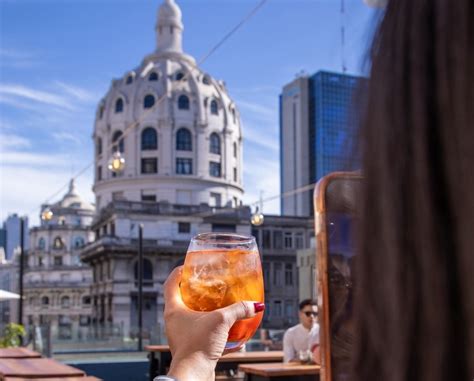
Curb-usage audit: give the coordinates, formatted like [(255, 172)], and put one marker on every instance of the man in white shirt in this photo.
[(304, 336)]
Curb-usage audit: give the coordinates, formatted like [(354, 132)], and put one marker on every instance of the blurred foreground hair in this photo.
[(415, 291)]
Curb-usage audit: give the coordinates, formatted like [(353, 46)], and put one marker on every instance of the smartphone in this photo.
[(335, 199)]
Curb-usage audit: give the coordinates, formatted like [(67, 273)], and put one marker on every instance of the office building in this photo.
[(318, 122)]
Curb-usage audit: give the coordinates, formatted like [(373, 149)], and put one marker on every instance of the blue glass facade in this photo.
[(333, 118)]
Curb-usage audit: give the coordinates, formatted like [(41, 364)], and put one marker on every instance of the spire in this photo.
[(169, 28), (72, 188)]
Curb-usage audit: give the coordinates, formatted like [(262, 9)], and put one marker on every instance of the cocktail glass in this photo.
[(221, 269)]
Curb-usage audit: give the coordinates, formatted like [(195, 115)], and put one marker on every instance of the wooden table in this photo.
[(18, 353), (160, 359), (37, 368), (280, 372)]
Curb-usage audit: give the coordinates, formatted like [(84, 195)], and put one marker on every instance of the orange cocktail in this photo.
[(219, 270)]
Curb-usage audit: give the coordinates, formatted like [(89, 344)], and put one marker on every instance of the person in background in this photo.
[(296, 341)]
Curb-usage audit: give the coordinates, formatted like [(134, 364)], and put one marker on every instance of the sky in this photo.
[(58, 57)]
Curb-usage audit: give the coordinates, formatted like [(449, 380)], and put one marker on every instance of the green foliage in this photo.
[(12, 334)]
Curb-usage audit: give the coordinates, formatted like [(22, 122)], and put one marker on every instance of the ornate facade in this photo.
[(56, 283)]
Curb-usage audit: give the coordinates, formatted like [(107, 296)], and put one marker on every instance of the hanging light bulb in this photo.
[(47, 214), (257, 218), (116, 162)]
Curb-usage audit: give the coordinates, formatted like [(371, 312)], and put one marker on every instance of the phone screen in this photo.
[(340, 200), (340, 281)]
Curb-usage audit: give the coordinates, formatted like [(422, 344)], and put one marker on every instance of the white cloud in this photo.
[(256, 136), (23, 92), (16, 158), (258, 110), (17, 59), (62, 136), (77, 92), (8, 141)]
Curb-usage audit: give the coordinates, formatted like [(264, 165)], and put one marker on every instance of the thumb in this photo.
[(241, 310)]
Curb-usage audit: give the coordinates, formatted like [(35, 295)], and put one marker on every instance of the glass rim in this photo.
[(223, 238)]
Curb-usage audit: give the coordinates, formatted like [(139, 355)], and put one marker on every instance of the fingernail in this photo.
[(259, 307)]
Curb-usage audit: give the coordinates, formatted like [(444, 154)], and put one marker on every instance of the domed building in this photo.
[(56, 283), (176, 127), (180, 135)]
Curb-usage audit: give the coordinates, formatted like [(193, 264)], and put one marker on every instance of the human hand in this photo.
[(197, 339)]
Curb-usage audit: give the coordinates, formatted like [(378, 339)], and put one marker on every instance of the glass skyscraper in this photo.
[(318, 117)]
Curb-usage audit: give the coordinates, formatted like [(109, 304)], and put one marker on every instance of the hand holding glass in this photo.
[(219, 270)]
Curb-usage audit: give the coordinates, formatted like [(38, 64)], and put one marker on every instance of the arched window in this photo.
[(78, 242), (117, 141), (183, 102), (147, 272), (118, 105), (65, 302), (98, 146), (153, 76), (206, 80), (101, 111), (44, 300), (41, 243), (233, 115), (184, 140), (214, 108), (86, 300), (148, 101), (129, 79), (149, 139), (58, 243), (235, 149), (179, 76), (215, 144)]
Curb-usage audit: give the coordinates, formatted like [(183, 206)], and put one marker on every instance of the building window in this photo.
[(288, 274), (58, 261), (129, 80), (118, 105), (41, 244), (184, 166), (78, 242), (45, 301), (147, 273), (183, 102), (267, 239), (153, 76), (277, 308), (65, 302), (149, 139), (215, 144), (233, 115), (184, 227), (266, 274), (214, 169), (40, 261), (277, 239), (86, 300), (214, 107), (101, 111), (179, 76), (149, 165), (289, 309), (148, 101), (224, 228), (235, 174), (277, 274), (235, 202), (235, 149), (215, 199), (98, 146), (148, 198), (99, 173), (206, 80), (184, 140), (58, 243), (288, 240), (117, 141), (299, 240)]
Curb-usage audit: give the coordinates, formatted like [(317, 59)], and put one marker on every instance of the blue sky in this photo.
[(57, 58)]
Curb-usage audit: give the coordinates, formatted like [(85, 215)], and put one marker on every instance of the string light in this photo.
[(116, 162), (257, 218), (47, 214)]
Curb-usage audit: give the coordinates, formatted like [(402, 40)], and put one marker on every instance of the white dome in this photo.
[(72, 200), (181, 96), (169, 14)]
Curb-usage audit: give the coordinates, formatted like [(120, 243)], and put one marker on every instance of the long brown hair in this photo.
[(415, 292)]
